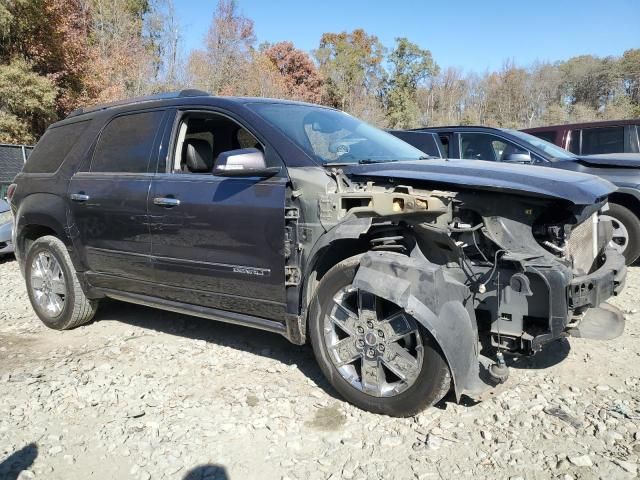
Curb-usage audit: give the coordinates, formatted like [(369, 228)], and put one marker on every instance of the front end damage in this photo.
[(484, 272)]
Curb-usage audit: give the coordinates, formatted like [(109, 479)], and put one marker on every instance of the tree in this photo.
[(299, 74), (411, 65), (52, 36), (351, 65), (223, 65), (27, 102), (630, 69)]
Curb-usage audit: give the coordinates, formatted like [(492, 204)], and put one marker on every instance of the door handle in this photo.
[(167, 202), (79, 197)]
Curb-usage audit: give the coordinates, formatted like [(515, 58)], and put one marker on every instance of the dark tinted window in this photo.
[(602, 140), (428, 143), (484, 146), (53, 147), (548, 136), (444, 141), (126, 142)]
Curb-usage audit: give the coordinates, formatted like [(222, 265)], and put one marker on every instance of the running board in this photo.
[(198, 311)]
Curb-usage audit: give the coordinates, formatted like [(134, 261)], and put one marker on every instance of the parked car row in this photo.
[(410, 276), (512, 146)]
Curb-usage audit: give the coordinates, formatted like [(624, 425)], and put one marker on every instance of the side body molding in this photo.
[(436, 300)]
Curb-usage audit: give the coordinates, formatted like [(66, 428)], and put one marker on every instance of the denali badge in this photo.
[(260, 272)]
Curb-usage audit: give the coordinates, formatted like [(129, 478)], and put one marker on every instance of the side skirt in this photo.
[(198, 311)]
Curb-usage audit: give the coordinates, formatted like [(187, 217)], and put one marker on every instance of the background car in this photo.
[(504, 145), (611, 136), (6, 226)]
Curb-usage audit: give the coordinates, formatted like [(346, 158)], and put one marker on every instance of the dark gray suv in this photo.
[(409, 278)]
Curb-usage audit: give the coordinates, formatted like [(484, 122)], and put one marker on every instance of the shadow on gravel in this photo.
[(251, 340), (208, 472), (550, 355), (18, 461), (9, 257)]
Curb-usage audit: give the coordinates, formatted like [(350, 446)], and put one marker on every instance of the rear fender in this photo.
[(436, 300)]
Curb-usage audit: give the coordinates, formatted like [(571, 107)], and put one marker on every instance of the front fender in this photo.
[(439, 302)]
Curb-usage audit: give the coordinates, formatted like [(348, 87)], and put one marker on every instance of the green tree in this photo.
[(410, 66), (27, 102), (351, 65)]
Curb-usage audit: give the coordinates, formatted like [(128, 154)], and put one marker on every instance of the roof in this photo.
[(11, 161), (569, 126), (173, 96), (455, 127)]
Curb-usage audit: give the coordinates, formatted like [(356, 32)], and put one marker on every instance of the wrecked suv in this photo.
[(410, 278)]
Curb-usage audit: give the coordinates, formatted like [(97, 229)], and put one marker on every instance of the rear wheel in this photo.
[(53, 287), (375, 355), (626, 231)]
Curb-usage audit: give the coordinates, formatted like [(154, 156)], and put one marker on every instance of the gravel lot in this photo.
[(145, 394)]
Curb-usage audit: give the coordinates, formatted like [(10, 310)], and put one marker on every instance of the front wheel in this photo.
[(375, 355), (626, 231), (53, 287)]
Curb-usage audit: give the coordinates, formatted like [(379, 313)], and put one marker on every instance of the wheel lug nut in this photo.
[(361, 343), (360, 330), (370, 324), (370, 352), (381, 347), (380, 333)]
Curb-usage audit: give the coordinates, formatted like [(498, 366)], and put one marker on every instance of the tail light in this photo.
[(11, 191)]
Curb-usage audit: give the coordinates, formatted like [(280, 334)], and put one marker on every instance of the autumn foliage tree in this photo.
[(299, 74)]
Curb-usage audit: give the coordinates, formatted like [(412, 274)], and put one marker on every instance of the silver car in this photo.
[(6, 226)]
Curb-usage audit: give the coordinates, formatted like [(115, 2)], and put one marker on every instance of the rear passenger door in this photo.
[(108, 202), (218, 242)]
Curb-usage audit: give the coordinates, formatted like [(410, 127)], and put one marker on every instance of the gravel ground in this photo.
[(145, 394)]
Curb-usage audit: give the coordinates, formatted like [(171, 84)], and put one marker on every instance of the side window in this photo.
[(53, 147), (444, 140), (484, 146), (126, 143), (602, 140), (574, 141), (202, 137)]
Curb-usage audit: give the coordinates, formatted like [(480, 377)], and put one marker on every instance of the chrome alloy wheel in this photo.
[(48, 284), (374, 344), (620, 237)]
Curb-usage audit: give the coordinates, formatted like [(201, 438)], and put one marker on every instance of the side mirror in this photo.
[(246, 162), (518, 158)]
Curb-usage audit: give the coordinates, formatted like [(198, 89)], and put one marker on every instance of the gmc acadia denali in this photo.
[(410, 278)]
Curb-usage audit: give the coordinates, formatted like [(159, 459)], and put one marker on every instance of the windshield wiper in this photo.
[(368, 161)]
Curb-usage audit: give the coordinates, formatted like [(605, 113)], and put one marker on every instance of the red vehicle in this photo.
[(611, 136)]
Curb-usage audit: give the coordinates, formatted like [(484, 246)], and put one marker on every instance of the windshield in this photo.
[(547, 147), (333, 137)]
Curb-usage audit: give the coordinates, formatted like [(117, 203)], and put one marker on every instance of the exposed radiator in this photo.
[(583, 245)]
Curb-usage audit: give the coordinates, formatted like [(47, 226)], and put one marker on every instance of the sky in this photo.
[(471, 35)]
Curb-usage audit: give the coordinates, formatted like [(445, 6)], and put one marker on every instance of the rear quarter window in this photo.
[(126, 143), (53, 148)]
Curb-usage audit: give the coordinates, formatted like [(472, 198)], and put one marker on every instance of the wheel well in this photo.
[(628, 201), (30, 234)]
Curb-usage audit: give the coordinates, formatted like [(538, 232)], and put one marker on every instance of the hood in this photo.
[(578, 188), (618, 160)]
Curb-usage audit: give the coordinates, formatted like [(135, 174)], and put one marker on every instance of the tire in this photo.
[(428, 387), (630, 224), (56, 295)]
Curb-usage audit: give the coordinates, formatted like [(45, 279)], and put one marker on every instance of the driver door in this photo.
[(217, 241)]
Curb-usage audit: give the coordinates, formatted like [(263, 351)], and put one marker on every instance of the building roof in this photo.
[(11, 161)]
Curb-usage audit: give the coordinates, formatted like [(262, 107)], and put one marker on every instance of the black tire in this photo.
[(433, 381), (632, 223), (77, 308)]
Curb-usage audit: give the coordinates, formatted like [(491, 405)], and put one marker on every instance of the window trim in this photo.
[(85, 168), (602, 127)]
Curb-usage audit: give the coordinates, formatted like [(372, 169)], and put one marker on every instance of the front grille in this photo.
[(582, 246)]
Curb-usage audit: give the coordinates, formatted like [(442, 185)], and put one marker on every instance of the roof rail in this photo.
[(190, 92)]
